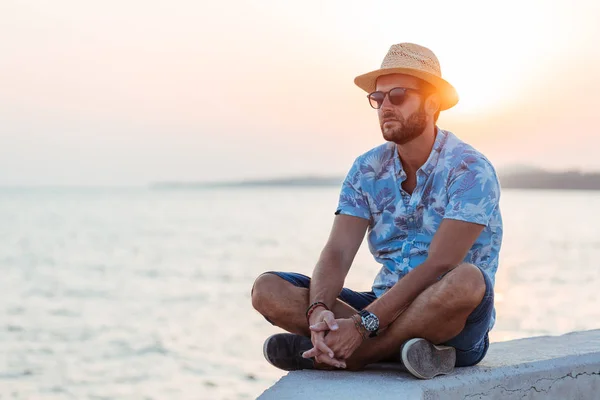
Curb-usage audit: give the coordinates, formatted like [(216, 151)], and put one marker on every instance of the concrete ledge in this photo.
[(547, 367)]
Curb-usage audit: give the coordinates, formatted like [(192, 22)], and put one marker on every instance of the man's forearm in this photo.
[(327, 279), (391, 304)]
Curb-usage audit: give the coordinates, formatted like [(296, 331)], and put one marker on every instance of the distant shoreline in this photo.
[(536, 180), (566, 180)]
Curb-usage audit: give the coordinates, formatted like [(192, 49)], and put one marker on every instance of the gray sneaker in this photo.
[(284, 351), (425, 360)]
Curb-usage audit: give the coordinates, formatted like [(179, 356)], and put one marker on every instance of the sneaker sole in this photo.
[(430, 360)]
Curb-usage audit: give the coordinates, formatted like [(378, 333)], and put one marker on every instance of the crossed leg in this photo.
[(438, 314)]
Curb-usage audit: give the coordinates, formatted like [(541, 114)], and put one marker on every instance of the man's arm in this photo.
[(328, 278), (336, 258), (449, 247), (349, 227)]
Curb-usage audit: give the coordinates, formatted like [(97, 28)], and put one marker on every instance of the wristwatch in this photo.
[(370, 322)]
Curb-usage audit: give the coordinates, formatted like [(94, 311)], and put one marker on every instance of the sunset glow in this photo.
[(131, 92)]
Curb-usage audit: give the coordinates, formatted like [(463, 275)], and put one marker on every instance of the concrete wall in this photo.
[(548, 367)]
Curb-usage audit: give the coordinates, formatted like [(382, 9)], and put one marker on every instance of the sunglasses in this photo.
[(396, 95)]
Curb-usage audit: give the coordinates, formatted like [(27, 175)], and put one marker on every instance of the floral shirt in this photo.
[(456, 182)]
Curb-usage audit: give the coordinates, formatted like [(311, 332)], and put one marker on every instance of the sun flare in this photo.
[(478, 92)]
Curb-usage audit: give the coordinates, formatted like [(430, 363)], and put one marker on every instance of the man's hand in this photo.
[(343, 341), (321, 352)]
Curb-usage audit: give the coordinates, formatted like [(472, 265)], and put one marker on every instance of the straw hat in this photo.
[(411, 59)]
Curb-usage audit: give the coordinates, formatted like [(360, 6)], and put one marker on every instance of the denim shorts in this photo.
[(471, 343)]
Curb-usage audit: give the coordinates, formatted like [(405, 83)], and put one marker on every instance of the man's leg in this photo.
[(438, 314), (284, 304)]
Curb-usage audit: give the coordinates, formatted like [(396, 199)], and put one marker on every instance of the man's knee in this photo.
[(463, 287), (263, 291)]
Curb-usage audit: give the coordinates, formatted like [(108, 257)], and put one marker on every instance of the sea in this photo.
[(139, 293)]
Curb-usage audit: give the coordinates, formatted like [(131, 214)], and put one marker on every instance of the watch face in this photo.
[(370, 322)]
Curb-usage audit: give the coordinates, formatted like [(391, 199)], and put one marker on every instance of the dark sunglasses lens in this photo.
[(376, 99), (397, 96)]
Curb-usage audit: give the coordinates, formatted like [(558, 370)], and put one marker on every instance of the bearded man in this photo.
[(430, 204)]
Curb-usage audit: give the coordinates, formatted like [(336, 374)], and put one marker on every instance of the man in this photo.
[(430, 204)]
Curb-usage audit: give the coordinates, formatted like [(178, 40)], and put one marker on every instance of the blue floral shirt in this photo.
[(456, 182)]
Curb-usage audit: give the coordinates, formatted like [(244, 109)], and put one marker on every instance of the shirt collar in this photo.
[(432, 160)]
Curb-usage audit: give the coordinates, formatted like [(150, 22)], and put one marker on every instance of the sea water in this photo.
[(145, 294)]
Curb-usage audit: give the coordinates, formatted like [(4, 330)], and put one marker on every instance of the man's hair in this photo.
[(429, 89)]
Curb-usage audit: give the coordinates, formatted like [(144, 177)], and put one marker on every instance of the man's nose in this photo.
[(386, 105), (386, 101)]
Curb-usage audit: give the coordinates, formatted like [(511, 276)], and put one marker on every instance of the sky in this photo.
[(130, 92)]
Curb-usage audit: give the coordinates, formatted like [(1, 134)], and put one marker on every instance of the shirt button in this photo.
[(406, 260), (411, 219)]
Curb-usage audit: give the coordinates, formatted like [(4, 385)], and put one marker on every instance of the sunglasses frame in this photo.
[(387, 94)]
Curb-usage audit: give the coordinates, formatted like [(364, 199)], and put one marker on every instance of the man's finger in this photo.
[(319, 327), (320, 345), (325, 359), (331, 322), (314, 352)]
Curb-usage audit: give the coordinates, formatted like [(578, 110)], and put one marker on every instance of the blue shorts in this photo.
[(471, 343)]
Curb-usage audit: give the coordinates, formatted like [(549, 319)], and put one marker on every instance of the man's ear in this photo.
[(432, 104)]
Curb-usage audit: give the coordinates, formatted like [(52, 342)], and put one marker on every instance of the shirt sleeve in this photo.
[(352, 200), (474, 192)]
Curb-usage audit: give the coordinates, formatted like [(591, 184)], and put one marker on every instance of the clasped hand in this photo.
[(334, 340)]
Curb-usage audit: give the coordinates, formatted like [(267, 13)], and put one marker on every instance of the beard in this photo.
[(400, 130)]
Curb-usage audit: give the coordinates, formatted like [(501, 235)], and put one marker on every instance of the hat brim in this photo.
[(449, 96)]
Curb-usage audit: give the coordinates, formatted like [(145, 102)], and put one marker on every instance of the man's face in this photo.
[(405, 122)]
